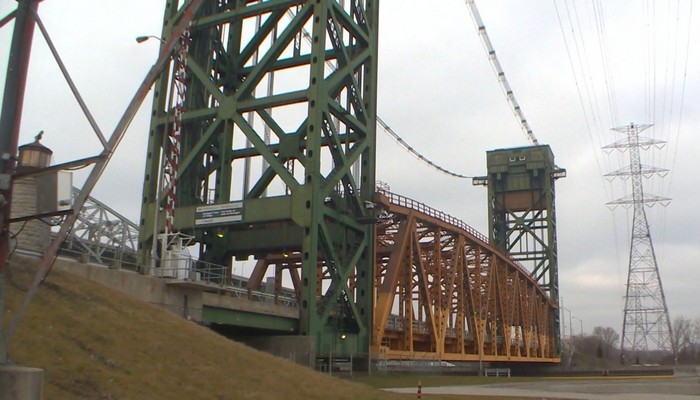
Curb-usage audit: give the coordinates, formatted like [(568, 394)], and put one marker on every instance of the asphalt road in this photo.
[(642, 388)]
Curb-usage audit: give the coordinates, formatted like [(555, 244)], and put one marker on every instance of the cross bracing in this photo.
[(647, 324), (272, 131), (102, 234)]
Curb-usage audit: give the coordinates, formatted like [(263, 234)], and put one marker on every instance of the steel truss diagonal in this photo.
[(278, 151), (103, 234), (444, 293)]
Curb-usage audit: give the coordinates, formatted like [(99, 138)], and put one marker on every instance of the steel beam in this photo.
[(297, 190), (10, 121), (243, 319)]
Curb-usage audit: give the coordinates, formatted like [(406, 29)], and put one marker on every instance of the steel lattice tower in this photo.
[(522, 213), (277, 157), (647, 325)]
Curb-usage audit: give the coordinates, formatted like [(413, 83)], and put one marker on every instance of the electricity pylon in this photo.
[(647, 325)]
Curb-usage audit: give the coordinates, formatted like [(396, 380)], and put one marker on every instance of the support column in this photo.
[(10, 120)]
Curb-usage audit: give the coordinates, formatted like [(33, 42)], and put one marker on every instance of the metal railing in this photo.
[(189, 269), (406, 202), (409, 203)]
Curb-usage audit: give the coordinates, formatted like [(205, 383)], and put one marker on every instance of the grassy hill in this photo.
[(97, 343)]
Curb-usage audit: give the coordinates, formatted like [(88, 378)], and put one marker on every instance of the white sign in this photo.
[(218, 213)]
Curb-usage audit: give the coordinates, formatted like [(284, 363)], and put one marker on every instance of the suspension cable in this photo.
[(415, 152), (307, 36), (491, 53)]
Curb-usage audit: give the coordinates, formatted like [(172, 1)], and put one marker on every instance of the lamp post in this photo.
[(141, 39), (581, 325), (570, 344)]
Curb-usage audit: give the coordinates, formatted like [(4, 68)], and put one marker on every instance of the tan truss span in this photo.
[(443, 293)]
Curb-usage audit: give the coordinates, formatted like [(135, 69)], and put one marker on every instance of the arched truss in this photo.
[(444, 293), (440, 291), (102, 233)]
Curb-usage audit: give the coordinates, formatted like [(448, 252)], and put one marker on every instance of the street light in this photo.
[(141, 39), (568, 311), (580, 321), (569, 343)]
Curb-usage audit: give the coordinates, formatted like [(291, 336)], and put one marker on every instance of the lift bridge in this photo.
[(274, 161)]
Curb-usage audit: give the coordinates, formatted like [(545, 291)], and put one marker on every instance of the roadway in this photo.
[(636, 388)]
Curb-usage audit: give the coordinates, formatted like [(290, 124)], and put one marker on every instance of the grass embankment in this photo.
[(97, 343)]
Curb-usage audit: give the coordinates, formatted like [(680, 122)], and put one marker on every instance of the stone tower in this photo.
[(31, 235)]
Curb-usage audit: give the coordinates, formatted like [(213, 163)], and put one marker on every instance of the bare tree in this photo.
[(696, 340), (686, 336), (607, 337), (682, 334)]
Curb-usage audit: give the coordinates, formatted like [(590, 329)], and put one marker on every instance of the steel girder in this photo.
[(279, 125), (102, 233), (444, 293)]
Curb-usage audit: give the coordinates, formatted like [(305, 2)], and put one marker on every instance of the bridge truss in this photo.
[(102, 234), (279, 131), (444, 293), (441, 291)]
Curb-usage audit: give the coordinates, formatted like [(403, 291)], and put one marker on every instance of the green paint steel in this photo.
[(311, 196), (522, 214), (234, 318)]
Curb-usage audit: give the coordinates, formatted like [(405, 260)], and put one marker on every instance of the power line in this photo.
[(685, 76), (605, 57), (577, 83)]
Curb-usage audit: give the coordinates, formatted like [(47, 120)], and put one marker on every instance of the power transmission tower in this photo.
[(647, 325)]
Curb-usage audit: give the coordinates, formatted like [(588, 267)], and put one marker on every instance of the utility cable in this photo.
[(580, 96), (683, 85), (586, 67), (605, 58)]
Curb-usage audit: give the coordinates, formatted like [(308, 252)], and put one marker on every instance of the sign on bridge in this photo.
[(218, 213)]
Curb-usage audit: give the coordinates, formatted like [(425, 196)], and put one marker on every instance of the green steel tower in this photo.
[(521, 210), (276, 153)]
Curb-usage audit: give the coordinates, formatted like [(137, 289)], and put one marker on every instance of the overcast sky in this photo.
[(625, 63)]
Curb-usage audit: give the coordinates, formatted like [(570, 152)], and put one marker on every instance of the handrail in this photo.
[(201, 271), (407, 202), (403, 201)]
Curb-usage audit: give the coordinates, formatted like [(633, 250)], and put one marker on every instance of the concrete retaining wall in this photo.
[(181, 301)]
